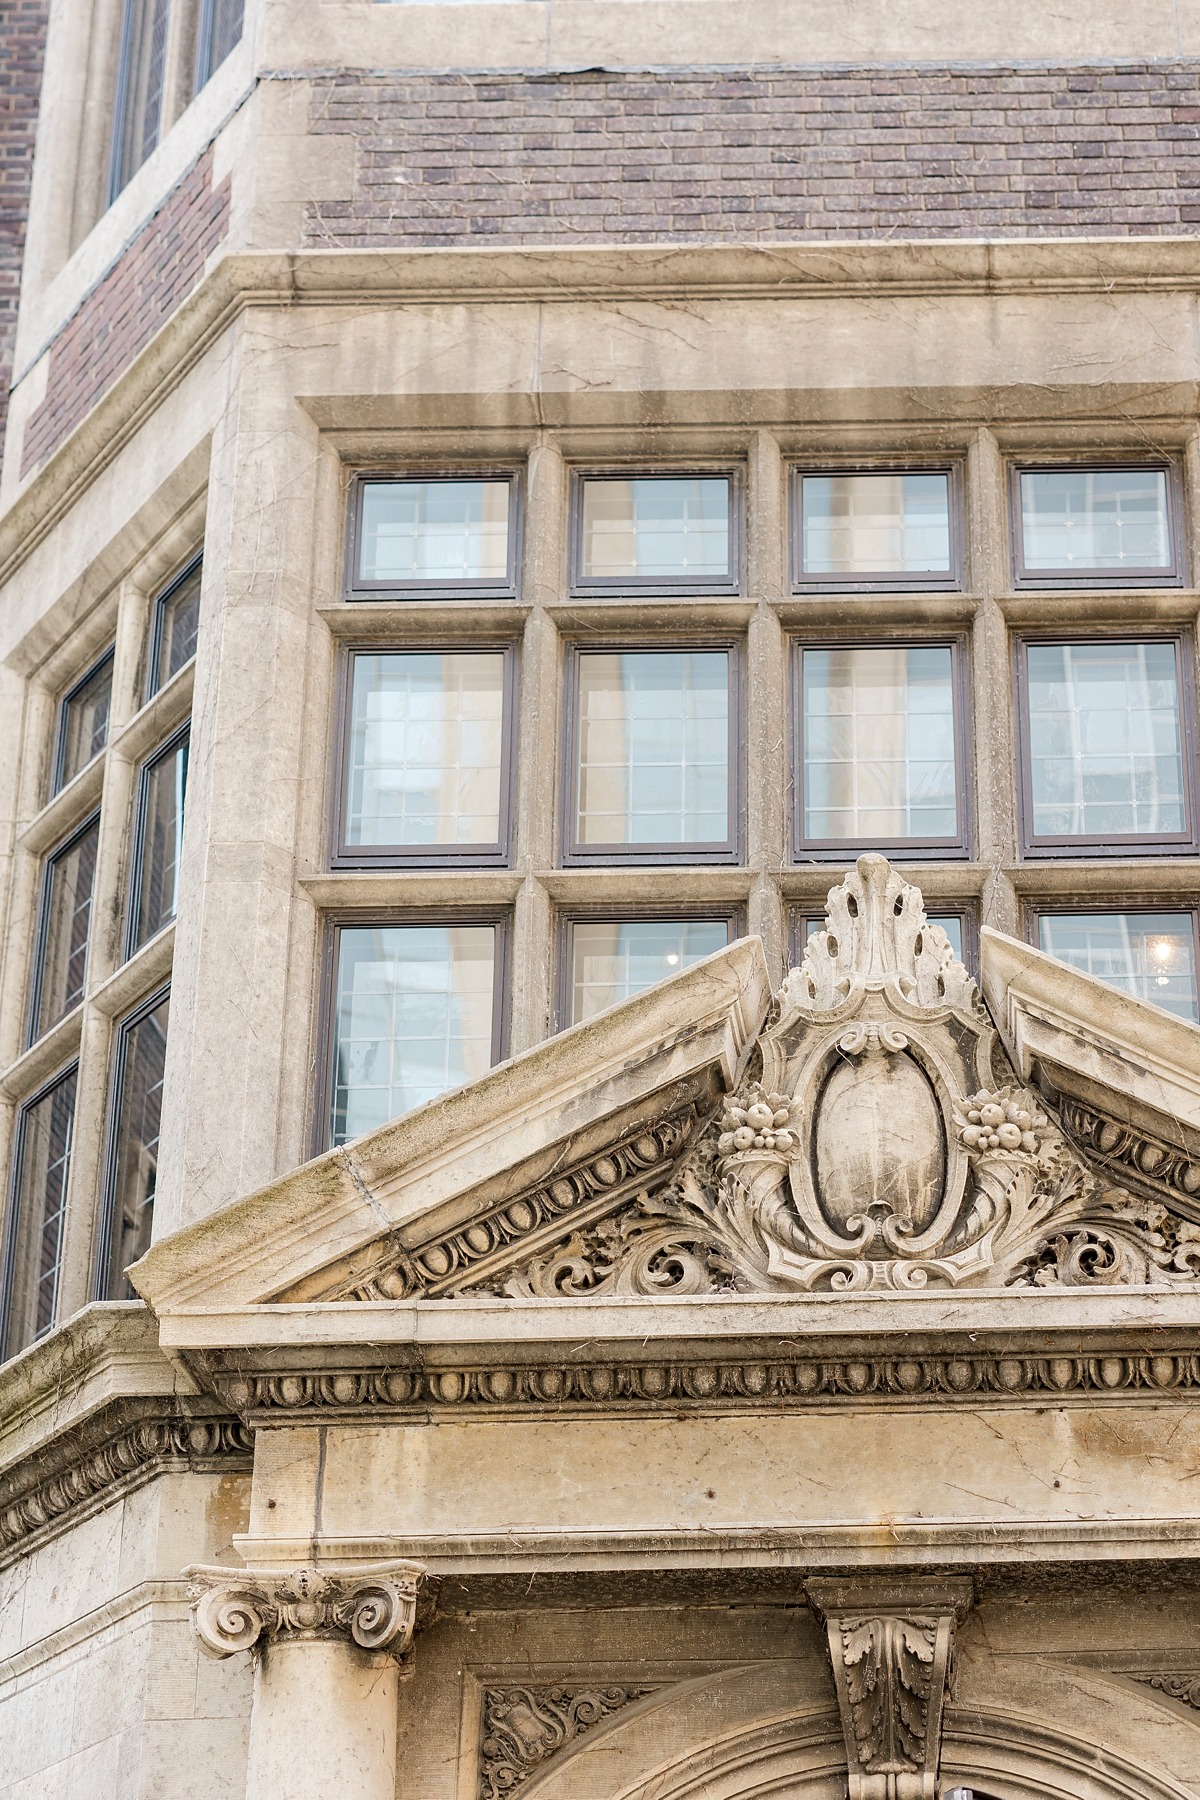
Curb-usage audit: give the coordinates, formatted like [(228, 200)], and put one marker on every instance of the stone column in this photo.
[(327, 1645), (890, 1644)]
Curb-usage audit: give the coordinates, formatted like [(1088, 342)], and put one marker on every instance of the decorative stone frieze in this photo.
[(1185, 1688), (890, 1645), (522, 1726), (373, 1605), (99, 1457), (1155, 1168), (966, 1373)]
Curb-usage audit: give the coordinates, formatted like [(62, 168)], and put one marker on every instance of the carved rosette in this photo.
[(373, 1605), (890, 1647)]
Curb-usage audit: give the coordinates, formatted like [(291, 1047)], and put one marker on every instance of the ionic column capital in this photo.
[(373, 1605)]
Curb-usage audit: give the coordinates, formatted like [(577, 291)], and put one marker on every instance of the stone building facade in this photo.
[(599, 1097)]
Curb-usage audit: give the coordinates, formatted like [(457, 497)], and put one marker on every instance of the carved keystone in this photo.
[(373, 1605), (890, 1643)]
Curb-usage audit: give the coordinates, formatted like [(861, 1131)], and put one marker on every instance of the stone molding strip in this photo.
[(372, 1605), (665, 1382), (124, 1444)]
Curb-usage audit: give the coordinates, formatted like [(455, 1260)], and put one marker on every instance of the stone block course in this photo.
[(956, 152)]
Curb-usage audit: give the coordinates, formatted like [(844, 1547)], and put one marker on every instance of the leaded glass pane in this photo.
[(654, 527), (1105, 740), (1094, 519), (425, 749), (653, 748), (159, 839), (885, 524), (141, 1060), (413, 1010), (64, 927), (1149, 955), (177, 626), (879, 744), (417, 532), (83, 724), (613, 959), (44, 1136)]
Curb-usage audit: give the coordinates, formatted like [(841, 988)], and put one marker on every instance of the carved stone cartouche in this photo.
[(523, 1726)]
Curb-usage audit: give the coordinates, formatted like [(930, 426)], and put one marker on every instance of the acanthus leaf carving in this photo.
[(1184, 1688), (523, 1726)]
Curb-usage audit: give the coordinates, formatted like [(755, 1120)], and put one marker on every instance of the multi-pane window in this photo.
[(1151, 955), (611, 959), (414, 1013), (176, 620), (83, 722), (158, 837), (60, 961), (159, 37), (885, 528), (653, 759), (1095, 525), (879, 731), (433, 535), (1107, 757), (425, 756), (655, 531), (36, 1213), (132, 1167)]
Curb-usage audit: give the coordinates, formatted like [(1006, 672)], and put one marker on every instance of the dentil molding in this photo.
[(372, 1605)]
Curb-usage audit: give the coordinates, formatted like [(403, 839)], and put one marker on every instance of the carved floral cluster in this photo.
[(1001, 1121), (756, 1121)]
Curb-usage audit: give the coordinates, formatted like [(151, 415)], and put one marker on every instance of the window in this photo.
[(157, 841), (132, 1163), (1096, 525), (173, 628), (60, 960), (1151, 955), (37, 1207), (426, 756), (959, 927), (879, 731), (611, 959), (218, 31), (666, 533), (654, 735), (83, 722), (1107, 761), (434, 536), (167, 50), (885, 528), (415, 1012)]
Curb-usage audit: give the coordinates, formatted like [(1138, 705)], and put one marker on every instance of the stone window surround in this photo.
[(115, 986)]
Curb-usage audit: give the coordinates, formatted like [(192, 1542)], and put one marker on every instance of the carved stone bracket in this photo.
[(522, 1726), (373, 1605), (890, 1644)]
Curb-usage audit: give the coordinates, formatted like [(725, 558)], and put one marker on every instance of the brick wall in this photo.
[(571, 159), (159, 268), (22, 46)]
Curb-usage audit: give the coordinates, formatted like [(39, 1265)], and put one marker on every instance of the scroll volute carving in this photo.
[(890, 1648)]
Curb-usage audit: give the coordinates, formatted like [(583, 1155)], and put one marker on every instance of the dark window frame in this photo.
[(659, 855), (802, 923), (57, 783), (610, 586), (335, 922), (1036, 848), (478, 589), (1033, 910), (20, 1132), (822, 850), (41, 935), (104, 1278), (568, 917), (1024, 578), (905, 581), (408, 856), (158, 612), (206, 62), (181, 736)]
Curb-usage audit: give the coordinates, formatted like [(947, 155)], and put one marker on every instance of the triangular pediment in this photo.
[(875, 1126)]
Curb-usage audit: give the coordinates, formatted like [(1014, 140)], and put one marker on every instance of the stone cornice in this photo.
[(271, 279)]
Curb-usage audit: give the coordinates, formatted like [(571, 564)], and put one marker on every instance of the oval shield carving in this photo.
[(879, 1146)]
